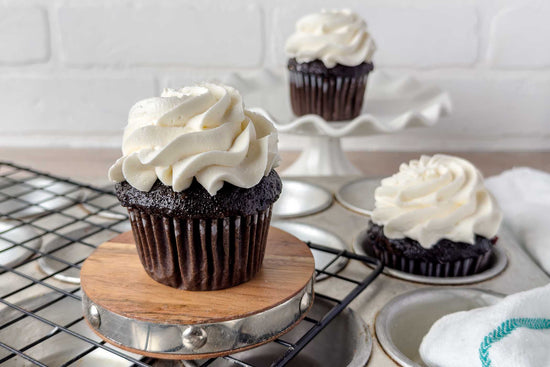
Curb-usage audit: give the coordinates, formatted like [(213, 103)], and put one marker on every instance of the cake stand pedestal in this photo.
[(322, 156), (127, 308)]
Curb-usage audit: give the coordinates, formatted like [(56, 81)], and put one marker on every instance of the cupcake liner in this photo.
[(200, 254), (458, 268), (334, 98)]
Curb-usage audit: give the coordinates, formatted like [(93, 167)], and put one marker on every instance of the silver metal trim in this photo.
[(226, 336), (309, 200), (94, 318), (194, 337), (500, 261), (305, 302), (362, 355), (391, 315)]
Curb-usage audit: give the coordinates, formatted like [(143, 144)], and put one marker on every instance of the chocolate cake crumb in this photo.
[(442, 252), (196, 202)]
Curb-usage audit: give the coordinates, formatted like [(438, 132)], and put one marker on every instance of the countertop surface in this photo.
[(90, 166)]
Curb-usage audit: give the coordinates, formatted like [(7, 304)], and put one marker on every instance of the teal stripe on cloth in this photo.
[(506, 328)]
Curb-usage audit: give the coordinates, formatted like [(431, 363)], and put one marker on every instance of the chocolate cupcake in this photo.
[(197, 179), (329, 61), (434, 218)]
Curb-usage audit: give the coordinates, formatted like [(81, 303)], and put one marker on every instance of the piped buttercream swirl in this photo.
[(201, 132), (434, 198), (332, 36)]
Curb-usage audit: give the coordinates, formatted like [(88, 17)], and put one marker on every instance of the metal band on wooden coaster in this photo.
[(127, 308)]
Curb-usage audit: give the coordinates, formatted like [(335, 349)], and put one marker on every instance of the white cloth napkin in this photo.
[(515, 332), (524, 196)]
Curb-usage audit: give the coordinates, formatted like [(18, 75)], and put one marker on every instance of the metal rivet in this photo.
[(304, 302), (93, 316), (194, 337)]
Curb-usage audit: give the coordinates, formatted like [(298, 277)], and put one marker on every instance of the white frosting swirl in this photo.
[(332, 36), (202, 131), (436, 197)]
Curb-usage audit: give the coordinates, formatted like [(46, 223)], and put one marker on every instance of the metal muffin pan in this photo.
[(497, 264), (402, 323), (358, 195), (308, 232), (301, 198), (346, 341), (519, 271)]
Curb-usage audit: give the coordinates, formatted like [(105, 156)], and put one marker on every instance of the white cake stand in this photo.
[(392, 104)]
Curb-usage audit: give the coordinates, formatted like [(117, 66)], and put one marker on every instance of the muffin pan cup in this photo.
[(200, 254), (352, 195), (346, 342), (496, 262), (319, 236), (13, 233), (402, 322), (300, 198), (335, 98)]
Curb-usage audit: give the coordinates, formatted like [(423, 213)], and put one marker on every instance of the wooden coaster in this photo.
[(125, 307)]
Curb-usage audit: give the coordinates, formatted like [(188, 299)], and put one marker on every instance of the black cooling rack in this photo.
[(40, 310)]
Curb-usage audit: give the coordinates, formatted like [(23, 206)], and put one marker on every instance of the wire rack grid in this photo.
[(41, 320)]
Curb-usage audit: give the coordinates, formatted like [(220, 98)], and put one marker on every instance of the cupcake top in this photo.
[(332, 36), (202, 132), (434, 198)]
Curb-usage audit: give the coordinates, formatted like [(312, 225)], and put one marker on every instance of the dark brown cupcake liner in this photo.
[(200, 254), (335, 98), (458, 268)]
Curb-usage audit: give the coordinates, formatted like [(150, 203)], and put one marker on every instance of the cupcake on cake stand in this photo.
[(392, 104), (330, 70)]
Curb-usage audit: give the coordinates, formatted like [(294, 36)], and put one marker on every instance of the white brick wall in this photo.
[(24, 35), (184, 33), (520, 37), (69, 103), (71, 69)]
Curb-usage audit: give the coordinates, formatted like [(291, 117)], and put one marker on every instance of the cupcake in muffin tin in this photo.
[(434, 218), (197, 177), (329, 61)]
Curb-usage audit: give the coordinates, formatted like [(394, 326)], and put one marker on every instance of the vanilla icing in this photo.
[(332, 36), (201, 132), (436, 197)]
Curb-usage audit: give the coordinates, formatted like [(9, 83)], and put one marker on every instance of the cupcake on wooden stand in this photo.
[(197, 177), (201, 274)]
